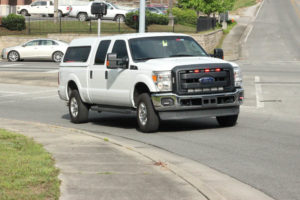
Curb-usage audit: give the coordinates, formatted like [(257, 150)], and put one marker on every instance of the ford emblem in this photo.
[(206, 80)]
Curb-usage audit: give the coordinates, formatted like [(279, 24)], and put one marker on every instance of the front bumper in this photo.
[(173, 106)]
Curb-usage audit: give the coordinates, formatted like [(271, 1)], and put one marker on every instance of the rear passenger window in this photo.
[(77, 54), (101, 52)]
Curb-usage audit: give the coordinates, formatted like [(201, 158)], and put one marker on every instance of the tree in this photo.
[(207, 6)]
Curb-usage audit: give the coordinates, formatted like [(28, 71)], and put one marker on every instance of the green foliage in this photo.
[(184, 16), (26, 171), (14, 22), (207, 6), (151, 18)]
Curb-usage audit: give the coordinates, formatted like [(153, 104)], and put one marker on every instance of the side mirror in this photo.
[(24, 45), (218, 53), (113, 62)]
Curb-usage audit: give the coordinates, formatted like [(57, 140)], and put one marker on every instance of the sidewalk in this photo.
[(234, 40), (95, 168)]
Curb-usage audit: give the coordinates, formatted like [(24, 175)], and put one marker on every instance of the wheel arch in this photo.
[(139, 89)]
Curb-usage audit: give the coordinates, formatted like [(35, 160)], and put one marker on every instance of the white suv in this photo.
[(155, 75)]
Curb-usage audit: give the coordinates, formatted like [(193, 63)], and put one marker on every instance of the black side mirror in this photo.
[(113, 62), (218, 53)]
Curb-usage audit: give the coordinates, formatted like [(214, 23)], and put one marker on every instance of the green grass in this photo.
[(243, 3), (27, 171)]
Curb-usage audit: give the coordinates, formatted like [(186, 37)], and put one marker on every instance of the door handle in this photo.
[(91, 74), (106, 74)]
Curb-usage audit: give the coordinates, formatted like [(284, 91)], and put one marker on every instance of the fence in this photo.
[(206, 23), (38, 25)]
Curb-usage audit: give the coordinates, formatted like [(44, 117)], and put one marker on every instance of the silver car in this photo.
[(36, 49)]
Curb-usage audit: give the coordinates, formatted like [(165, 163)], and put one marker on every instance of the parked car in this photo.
[(150, 9), (162, 8), (83, 12), (36, 49), (43, 8)]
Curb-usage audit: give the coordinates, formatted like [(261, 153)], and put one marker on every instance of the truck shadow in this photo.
[(129, 122)]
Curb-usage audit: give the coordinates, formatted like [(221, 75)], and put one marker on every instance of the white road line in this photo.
[(259, 8), (46, 97), (258, 92), (11, 65), (248, 34), (29, 93), (51, 72)]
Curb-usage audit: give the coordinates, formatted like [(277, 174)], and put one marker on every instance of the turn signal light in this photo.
[(218, 70), (196, 71), (207, 70)]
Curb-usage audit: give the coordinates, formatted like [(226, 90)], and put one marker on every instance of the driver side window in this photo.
[(120, 49)]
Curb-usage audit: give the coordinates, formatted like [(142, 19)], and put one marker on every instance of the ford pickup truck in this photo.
[(157, 76), (43, 8)]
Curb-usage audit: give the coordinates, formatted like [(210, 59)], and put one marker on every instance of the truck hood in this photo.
[(165, 64)]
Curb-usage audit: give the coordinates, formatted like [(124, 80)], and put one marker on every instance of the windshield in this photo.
[(164, 47)]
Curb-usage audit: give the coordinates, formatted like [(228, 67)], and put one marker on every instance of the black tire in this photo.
[(57, 56), (50, 15), (24, 13), (120, 17), (13, 56), (147, 118), (82, 17), (227, 121), (79, 111)]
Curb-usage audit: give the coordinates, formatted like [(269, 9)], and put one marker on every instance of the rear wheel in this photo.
[(82, 17), (120, 18), (78, 110), (227, 121), (24, 12), (147, 118), (57, 56), (13, 56)]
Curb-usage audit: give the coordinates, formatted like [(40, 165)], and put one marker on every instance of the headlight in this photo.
[(238, 78), (163, 80)]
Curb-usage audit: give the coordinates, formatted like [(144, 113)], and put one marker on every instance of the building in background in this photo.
[(10, 6)]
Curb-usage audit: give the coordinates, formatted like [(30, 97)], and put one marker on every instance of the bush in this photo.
[(14, 22), (151, 18), (184, 16)]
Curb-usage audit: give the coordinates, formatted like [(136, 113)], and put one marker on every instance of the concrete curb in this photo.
[(212, 184)]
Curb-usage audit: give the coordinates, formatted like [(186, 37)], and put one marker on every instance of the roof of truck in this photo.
[(91, 40)]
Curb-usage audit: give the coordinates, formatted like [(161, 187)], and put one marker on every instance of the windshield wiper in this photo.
[(181, 55)]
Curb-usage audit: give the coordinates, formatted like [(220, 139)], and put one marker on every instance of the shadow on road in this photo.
[(129, 122)]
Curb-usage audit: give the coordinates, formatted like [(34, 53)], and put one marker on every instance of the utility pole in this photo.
[(171, 17), (142, 17), (55, 11)]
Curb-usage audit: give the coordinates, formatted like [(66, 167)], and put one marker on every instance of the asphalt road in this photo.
[(29, 66), (263, 150)]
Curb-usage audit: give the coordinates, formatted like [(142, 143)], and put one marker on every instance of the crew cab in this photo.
[(83, 12), (157, 76), (43, 8)]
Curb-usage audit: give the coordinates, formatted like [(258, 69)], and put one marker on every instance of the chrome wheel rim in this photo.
[(57, 57), (74, 107), (143, 114), (13, 56), (81, 18)]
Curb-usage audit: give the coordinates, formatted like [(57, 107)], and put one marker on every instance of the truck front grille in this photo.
[(203, 79)]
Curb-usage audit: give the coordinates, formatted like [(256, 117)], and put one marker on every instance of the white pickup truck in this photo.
[(43, 8), (158, 76), (83, 12)]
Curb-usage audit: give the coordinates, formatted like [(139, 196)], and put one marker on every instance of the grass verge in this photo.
[(27, 171), (243, 3)]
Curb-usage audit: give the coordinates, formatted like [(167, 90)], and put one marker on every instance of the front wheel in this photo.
[(57, 56), (24, 13), (227, 121), (147, 118), (78, 110), (13, 56)]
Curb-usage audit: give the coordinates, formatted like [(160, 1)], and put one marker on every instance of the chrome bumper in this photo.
[(192, 106)]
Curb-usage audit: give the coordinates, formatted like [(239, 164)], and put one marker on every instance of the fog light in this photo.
[(167, 102)]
